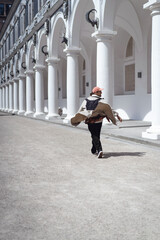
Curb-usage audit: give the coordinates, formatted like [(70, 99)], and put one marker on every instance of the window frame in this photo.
[(129, 61)]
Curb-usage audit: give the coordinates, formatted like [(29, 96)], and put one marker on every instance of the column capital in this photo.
[(72, 50), (104, 35), (39, 67), (29, 72), (21, 76), (52, 60), (153, 6), (15, 79)]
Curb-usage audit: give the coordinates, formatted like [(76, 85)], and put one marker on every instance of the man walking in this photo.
[(90, 104)]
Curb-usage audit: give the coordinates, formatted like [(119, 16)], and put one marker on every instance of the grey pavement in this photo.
[(53, 188)]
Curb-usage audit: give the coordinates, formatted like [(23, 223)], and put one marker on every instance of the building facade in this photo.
[(53, 52), (5, 7)]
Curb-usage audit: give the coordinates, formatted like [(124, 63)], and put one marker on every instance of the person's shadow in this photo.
[(119, 154)]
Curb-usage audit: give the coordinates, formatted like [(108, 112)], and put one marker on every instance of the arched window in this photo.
[(82, 83), (84, 78), (129, 67), (41, 3), (30, 11), (129, 51)]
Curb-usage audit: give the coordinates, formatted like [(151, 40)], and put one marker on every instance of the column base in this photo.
[(51, 116), (29, 114), (39, 115), (21, 112), (15, 111), (152, 133), (10, 110)]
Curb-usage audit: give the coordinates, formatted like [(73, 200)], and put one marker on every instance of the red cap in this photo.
[(96, 89)]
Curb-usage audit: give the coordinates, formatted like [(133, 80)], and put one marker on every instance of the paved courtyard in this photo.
[(52, 188)]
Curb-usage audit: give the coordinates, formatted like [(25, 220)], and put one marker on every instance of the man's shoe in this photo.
[(100, 154), (93, 150)]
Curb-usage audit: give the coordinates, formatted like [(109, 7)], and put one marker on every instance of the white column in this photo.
[(105, 63), (0, 98), (21, 94), (39, 91), (10, 96), (7, 98), (52, 88), (15, 90), (154, 131), (3, 98), (72, 82), (29, 93)]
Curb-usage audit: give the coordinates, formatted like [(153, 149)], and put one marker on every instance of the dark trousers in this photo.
[(95, 130)]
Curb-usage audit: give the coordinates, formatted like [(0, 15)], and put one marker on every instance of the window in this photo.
[(84, 79), (129, 51), (16, 31), (29, 13), (130, 77), (1, 9), (22, 23), (41, 3), (129, 67), (8, 7), (82, 82)]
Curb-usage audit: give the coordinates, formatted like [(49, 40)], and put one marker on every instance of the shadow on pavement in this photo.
[(6, 114), (119, 154)]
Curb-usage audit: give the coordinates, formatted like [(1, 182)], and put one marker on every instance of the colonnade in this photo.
[(17, 95)]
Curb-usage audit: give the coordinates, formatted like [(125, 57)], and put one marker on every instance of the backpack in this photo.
[(92, 104)]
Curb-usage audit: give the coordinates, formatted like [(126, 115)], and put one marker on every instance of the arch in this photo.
[(16, 66), (22, 60), (126, 18), (30, 55), (58, 29), (108, 13), (40, 57), (85, 56), (11, 67), (130, 48), (79, 11), (7, 73)]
